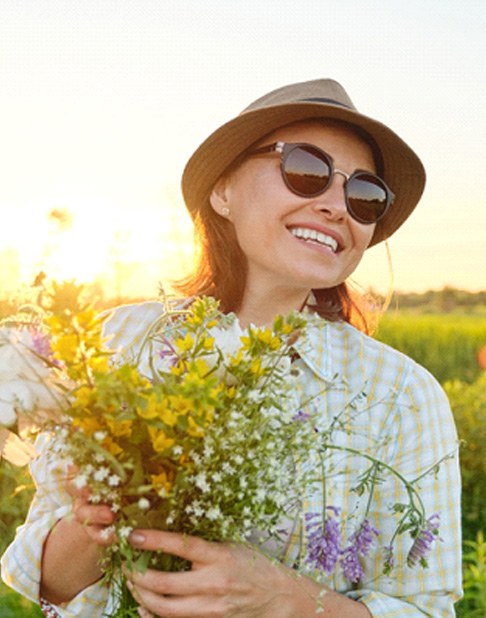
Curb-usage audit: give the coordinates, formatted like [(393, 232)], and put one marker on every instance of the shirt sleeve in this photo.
[(423, 434), (21, 563)]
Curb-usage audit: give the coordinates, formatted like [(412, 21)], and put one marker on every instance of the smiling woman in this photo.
[(281, 237)]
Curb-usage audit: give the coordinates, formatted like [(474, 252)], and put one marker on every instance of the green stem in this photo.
[(411, 491)]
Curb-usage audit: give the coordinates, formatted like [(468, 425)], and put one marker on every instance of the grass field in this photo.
[(448, 345)]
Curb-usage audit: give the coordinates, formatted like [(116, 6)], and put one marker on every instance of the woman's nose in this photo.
[(333, 201)]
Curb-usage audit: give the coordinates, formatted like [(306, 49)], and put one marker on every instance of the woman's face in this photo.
[(268, 217)]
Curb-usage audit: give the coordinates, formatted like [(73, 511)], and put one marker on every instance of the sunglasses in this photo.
[(308, 172)]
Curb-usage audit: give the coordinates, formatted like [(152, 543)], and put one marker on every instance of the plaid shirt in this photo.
[(400, 415)]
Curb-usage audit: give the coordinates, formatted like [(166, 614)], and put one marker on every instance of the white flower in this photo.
[(208, 451), (213, 513), (202, 483), (24, 378), (256, 395), (80, 481), (260, 495), (101, 474), (228, 468), (124, 532), (143, 504), (114, 480), (107, 532), (228, 340), (99, 435)]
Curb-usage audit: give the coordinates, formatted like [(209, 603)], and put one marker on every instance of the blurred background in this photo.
[(103, 101)]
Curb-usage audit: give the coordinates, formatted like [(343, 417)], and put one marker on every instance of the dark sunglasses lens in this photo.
[(306, 171), (367, 197)]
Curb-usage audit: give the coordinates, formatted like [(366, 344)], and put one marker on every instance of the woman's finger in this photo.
[(177, 607), (91, 514), (188, 547), (176, 584)]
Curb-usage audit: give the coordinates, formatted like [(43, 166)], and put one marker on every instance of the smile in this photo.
[(313, 235)]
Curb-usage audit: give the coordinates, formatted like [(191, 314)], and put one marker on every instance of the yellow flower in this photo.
[(66, 348), (111, 446), (193, 429), (287, 329), (88, 424), (82, 396), (160, 441), (238, 357), (208, 343), (180, 404), (231, 392), (120, 428), (150, 410), (256, 367), (267, 337), (100, 364), (167, 415), (186, 344), (161, 480)]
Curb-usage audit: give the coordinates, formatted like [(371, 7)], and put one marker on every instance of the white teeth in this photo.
[(309, 234)]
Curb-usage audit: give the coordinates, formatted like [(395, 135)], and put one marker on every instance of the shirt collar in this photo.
[(320, 347)]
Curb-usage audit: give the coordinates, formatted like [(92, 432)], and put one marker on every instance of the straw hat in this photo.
[(321, 98)]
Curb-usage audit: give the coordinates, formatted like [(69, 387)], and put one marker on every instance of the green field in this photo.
[(446, 344)]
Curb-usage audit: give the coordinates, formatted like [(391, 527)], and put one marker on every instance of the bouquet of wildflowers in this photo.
[(211, 440)]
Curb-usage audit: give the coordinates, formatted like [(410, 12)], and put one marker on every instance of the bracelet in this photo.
[(47, 609)]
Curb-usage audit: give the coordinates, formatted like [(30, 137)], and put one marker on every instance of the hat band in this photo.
[(321, 100)]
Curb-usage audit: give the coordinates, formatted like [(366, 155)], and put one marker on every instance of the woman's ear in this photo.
[(219, 197)]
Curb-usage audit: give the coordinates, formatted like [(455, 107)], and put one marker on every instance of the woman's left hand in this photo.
[(225, 580)]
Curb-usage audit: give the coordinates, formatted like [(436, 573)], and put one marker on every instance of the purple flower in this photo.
[(360, 543), (389, 559), (168, 352), (324, 540), (423, 541), (41, 344), (351, 566), (301, 416)]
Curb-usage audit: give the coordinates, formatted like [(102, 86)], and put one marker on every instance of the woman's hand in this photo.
[(225, 580), (82, 535)]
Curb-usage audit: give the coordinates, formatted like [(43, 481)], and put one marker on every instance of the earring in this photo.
[(225, 212)]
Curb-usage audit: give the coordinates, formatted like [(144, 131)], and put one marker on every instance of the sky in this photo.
[(103, 101)]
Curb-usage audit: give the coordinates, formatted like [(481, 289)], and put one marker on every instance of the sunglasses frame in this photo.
[(285, 148)]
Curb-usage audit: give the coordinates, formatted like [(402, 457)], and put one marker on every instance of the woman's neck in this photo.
[(262, 308)]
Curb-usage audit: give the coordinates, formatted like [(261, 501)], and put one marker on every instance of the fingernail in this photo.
[(136, 538)]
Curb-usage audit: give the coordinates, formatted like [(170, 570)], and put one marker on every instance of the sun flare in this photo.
[(114, 247)]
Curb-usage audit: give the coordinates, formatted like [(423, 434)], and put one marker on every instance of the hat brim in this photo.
[(402, 169)]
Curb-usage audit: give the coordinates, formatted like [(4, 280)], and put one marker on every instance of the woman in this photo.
[(286, 197)]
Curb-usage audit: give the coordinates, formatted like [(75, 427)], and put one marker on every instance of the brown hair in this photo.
[(221, 272)]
